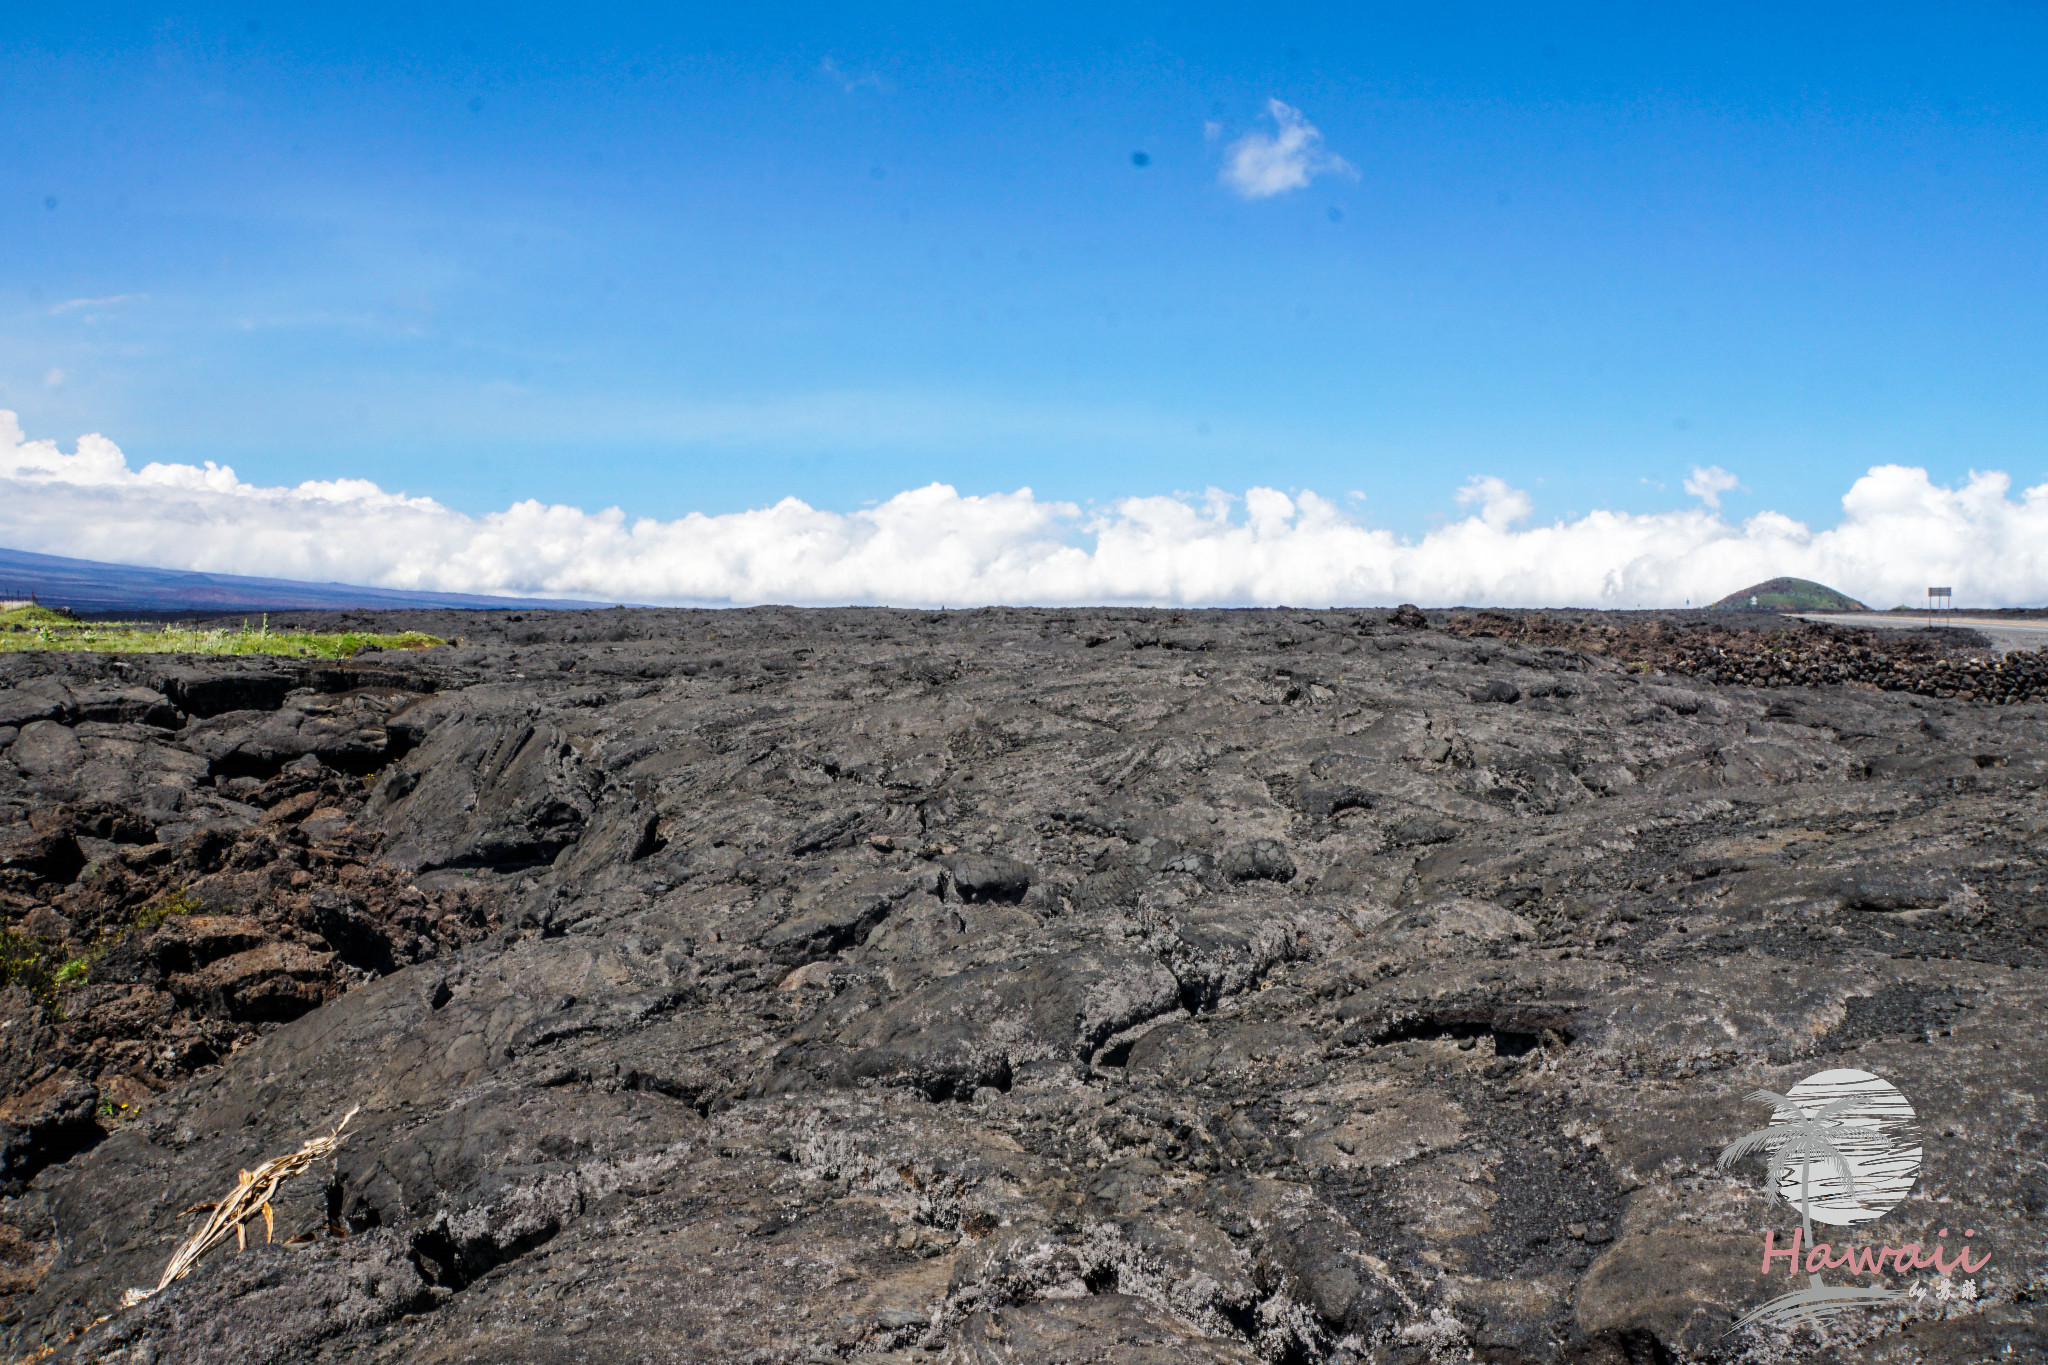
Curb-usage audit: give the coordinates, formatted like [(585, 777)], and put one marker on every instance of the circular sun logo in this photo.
[(1872, 1154), (1842, 1150)]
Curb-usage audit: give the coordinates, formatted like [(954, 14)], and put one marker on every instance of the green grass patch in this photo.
[(39, 966), (37, 616), (25, 628), (149, 917), (33, 964)]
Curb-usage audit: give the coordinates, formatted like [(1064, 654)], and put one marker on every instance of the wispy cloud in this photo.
[(1899, 531), (850, 81), (110, 301), (1259, 165), (1709, 483)]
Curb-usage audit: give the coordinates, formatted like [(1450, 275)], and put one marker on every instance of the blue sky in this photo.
[(703, 260)]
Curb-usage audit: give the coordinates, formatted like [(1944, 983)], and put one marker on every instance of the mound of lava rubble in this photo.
[(1936, 663)]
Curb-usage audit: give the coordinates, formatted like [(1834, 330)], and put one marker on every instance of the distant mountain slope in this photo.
[(1789, 594), (94, 589)]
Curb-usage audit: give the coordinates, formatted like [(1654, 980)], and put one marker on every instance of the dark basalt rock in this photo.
[(1019, 986), (1258, 860), (48, 1121), (983, 878), (20, 706), (215, 690)]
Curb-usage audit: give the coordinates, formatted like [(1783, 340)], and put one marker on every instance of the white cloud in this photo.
[(849, 82), (52, 377), (1899, 532), (110, 301), (1499, 505), (1710, 483), (1258, 166)]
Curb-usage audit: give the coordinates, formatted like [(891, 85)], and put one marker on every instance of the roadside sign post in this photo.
[(1938, 598)]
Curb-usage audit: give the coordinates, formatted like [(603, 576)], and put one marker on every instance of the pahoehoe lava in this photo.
[(1007, 985)]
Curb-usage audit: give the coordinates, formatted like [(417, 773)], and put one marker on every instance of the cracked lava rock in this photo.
[(1005, 986)]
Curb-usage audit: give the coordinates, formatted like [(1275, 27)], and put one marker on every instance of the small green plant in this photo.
[(149, 917), (40, 967), (30, 963)]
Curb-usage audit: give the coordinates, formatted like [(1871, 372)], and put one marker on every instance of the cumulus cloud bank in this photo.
[(930, 546), (1259, 166)]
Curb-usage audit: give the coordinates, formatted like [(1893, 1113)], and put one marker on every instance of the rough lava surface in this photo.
[(999, 986)]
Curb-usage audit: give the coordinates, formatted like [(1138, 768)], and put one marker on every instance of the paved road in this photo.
[(2005, 635)]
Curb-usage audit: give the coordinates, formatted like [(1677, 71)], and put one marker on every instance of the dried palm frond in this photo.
[(250, 1197)]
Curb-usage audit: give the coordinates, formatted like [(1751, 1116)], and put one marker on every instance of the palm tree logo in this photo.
[(1828, 1138)]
